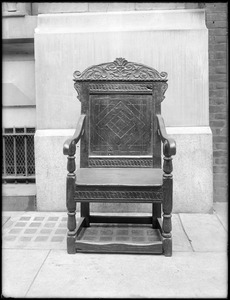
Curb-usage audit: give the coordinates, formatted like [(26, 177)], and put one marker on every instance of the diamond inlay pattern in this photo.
[(120, 125)]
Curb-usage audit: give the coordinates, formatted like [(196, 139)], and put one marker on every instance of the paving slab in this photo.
[(47, 230), (36, 230), (221, 210), (4, 220), (19, 269), (179, 237), (184, 275), (205, 232)]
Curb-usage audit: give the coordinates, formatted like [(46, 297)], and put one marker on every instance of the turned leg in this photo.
[(71, 205), (167, 206)]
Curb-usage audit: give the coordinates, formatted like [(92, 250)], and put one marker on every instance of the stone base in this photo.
[(19, 197), (193, 179)]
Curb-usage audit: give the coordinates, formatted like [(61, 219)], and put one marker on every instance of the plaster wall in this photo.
[(172, 41)]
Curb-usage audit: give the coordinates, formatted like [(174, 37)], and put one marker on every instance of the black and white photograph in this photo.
[(114, 150)]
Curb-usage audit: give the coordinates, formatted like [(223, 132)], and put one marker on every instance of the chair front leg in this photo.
[(167, 206), (71, 205)]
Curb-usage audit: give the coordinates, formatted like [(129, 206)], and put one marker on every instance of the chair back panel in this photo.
[(120, 100), (120, 125)]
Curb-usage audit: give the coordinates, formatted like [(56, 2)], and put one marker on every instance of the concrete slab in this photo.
[(189, 274), (4, 220), (47, 230), (221, 211), (205, 232), (19, 269), (180, 239)]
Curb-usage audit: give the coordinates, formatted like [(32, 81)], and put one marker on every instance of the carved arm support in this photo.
[(169, 144), (69, 147)]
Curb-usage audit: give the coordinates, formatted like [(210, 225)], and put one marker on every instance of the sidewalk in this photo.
[(36, 264)]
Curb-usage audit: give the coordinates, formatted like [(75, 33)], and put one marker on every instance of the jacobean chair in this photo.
[(121, 131)]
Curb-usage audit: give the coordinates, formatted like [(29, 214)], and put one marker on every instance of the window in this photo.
[(18, 163)]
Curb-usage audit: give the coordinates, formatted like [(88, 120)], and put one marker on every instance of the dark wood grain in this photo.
[(169, 144), (121, 132), (119, 177), (120, 219), (69, 147)]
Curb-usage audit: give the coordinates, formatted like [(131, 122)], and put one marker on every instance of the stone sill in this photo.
[(19, 189), (19, 28)]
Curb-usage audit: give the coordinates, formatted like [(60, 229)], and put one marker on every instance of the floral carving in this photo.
[(120, 69)]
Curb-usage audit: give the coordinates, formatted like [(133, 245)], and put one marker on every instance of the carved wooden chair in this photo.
[(121, 132)]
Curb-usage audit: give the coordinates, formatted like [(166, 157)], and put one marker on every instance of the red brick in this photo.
[(212, 54), (217, 123), (216, 24), (222, 198), (222, 183), (215, 132), (217, 77), (220, 177), (221, 39), (220, 161), (219, 153), (218, 100), (217, 108), (221, 192), (220, 54), (222, 7), (212, 85), (219, 47), (211, 39), (217, 31), (221, 69), (220, 116), (216, 16), (217, 93), (224, 131), (221, 146), (219, 139), (218, 62), (221, 85)]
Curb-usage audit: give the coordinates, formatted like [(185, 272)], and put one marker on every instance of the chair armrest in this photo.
[(69, 147), (169, 144)]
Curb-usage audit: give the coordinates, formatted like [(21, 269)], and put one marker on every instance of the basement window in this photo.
[(18, 162)]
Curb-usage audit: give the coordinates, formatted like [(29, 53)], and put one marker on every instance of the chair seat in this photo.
[(146, 177)]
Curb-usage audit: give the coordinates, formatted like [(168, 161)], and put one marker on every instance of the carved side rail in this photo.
[(169, 149), (69, 149)]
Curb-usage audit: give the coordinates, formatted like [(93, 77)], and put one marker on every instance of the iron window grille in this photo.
[(18, 163)]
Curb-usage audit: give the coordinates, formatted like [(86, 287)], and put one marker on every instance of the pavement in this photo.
[(35, 263)]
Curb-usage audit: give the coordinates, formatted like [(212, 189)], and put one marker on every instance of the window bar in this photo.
[(15, 161), (25, 143)]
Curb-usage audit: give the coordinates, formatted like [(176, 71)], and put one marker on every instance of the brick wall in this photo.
[(216, 21)]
